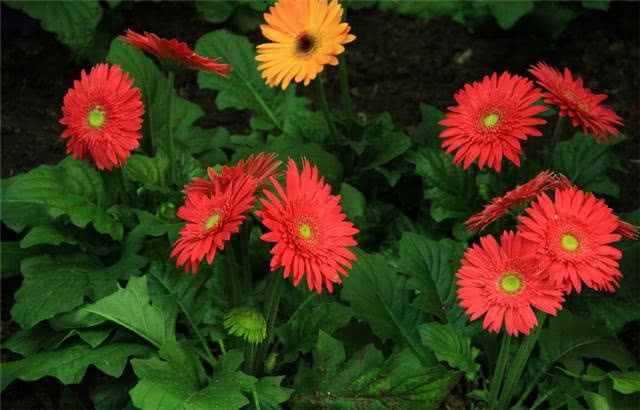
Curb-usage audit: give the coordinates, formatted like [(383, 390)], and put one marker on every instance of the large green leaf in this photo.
[(368, 381), (179, 382), (507, 13), (451, 346), (270, 394), (586, 163), (381, 296), (73, 188), (74, 22), (151, 173), (452, 190), (11, 255), (626, 382), (428, 131), (245, 89), (47, 235), (131, 308), (70, 364)]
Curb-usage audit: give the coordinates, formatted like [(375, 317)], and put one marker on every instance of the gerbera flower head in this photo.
[(503, 282), (261, 167), (103, 115), (247, 323), (573, 236), (499, 206), (305, 35), (577, 102), (308, 228), (491, 119), (174, 50), (627, 230), (211, 219)]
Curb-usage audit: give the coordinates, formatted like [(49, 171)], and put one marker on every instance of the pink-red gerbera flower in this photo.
[(174, 50), (308, 228), (261, 167), (103, 115), (500, 205), (627, 230), (211, 220), (573, 236), (577, 102), (491, 119), (503, 282)]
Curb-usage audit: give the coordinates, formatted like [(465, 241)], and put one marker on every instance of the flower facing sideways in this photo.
[(305, 35), (503, 282), (103, 116), (308, 228), (573, 236), (491, 119), (577, 102)]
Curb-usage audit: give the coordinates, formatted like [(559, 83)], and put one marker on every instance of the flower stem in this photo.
[(254, 393), (519, 363), (557, 132), (344, 87), (498, 374), (322, 100), (272, 302), (170, 146)]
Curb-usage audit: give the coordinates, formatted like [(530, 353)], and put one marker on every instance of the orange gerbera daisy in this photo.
[(308, 228), (306, 35)]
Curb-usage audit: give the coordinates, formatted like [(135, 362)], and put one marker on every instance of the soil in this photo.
[(396, 63)]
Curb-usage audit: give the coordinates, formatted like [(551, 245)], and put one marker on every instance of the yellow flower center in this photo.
[(510, 283), (491, 120), (212, 221), (305, 44), (569, 243), (96, 117), (305, 231)]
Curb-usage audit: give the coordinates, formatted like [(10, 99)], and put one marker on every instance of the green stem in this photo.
[(254, 393), (531, 386), (498, 374), (543, 398), (519, 364), (322, 100), (272, 303), (233, 274), (344, 87), (170, 146), (557, 132), (259, 99)]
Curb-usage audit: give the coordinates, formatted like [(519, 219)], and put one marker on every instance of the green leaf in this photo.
[(613, 312), (507, 13), (450, 346), (73, 22), (130, 308), (626, 382), (596, 401), (40, 337), (73, 188), (596, 4), (245, 89), (70, 364), (216, 11), (150, 172), (270, 394), (586, 163), (11, 255), (381, 296), (308, 125), (552, 17), (353, 201), (369, 381), (178, 382), (428, 131), (452, 191), (46, 235)]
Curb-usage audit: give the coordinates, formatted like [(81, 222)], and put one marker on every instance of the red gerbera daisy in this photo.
[(211, 219), (573, 235), (261, 167), (174, 50), (308, 228), (499, 206), (103, 115), (577, 102), (502, 282), (490, 120), (627, 230)]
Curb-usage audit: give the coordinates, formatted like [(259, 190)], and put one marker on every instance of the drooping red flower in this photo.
[(103, 115), (503, 282), (491, 119), (577, 102), (175, 50), (627, 230), (573, 236), (211, 220), (500, 205), (308, 228), (261, 167)]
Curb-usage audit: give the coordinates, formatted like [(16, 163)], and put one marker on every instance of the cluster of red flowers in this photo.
[(305, 221), (560, 244), (494, 115)]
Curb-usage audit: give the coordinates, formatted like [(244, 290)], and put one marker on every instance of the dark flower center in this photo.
[(305, 43)]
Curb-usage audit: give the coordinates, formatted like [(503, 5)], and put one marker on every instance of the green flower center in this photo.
[(96, 117), (491, 120), (305, 231), (212, 221), (510, 283), (569, 242)]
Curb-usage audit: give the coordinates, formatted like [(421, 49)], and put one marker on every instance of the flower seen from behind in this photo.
[(491, 119), (103, 116), (305, 35)]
